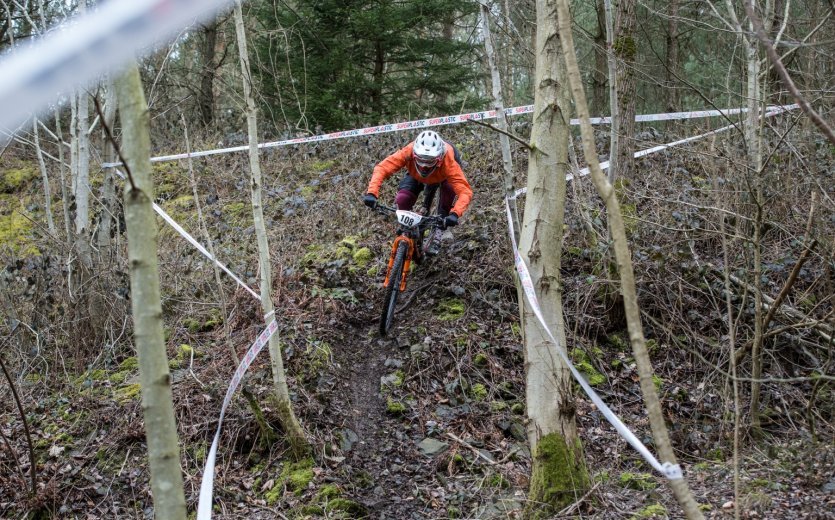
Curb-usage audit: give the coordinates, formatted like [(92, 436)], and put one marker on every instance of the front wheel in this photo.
[(393, 289)]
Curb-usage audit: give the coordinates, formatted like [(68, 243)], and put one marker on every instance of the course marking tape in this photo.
[(773, 111), (669, 470), (436, 121), (204, 503), (185, 234), (81, 49)]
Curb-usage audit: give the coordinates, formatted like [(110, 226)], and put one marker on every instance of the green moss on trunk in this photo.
[(558, 478)]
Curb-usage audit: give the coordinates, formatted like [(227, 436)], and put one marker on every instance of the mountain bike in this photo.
[(408, 245)]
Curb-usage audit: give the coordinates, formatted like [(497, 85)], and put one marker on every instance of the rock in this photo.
[(432, 447), (395, 363), (829, 487), (348, 438), (517, 431)]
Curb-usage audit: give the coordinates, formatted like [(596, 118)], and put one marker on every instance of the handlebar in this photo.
[(426, 221)]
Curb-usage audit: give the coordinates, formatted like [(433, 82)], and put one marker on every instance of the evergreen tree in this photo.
[(341, 63)]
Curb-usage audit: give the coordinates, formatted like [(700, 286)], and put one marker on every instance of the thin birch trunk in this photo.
[(155, 380), (558, 471), (65, 194), (47, 192), (108, 189), (498, 105), (295, 434), (82, 184), (627, 275)]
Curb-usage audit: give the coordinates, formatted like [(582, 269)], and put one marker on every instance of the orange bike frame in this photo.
[(406, 264)]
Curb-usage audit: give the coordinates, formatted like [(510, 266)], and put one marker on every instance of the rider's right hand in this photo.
[(370, 200)]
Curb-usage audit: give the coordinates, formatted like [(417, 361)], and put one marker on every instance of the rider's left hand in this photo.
[(450, 220)]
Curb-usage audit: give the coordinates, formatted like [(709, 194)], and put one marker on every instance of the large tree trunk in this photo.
[(558, 472), (295, 434), (625, 270), (155, 380)]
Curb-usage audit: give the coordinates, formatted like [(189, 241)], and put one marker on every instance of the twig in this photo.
[(468, 445), (33, 470), (512, 136), (575, 505)]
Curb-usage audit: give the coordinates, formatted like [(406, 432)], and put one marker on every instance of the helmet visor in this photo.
[(426, 164)]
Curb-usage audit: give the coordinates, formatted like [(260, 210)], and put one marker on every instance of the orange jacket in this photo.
[(448, 170)]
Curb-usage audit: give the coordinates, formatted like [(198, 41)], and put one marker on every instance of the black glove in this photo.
[(370, 200), (450, 220)]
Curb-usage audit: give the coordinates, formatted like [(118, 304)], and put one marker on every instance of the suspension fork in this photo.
[(406, 264)]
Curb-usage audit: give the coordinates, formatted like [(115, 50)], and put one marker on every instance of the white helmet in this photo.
[(428, 152)]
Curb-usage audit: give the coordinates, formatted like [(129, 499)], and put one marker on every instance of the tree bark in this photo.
[(558, 472), (626, 51), (206, 101), (295, 435), (627, 275), (672, 58), (47, 195), (155, 380), (108, 189)]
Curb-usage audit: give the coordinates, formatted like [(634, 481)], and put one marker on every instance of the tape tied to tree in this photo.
[(669, 470)]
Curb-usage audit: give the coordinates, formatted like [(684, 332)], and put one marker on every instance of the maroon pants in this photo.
[(409, 189)]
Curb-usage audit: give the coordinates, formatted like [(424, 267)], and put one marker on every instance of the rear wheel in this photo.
[(393, 289)]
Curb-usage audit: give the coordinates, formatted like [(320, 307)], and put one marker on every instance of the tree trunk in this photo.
[(627, 275), (82, 182), (295, 434), (614, 108), (498, 105), (598, 79), (206, 100), (672, 58), (108, 189), (558, 472), (626, 50), (44, 176), (155, 380)]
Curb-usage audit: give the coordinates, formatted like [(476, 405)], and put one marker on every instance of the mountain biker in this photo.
[(429, 161)]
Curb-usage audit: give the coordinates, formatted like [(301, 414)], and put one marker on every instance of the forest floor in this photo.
[(427, 423)]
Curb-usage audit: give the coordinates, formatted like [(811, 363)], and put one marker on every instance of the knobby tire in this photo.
[(393, 289)]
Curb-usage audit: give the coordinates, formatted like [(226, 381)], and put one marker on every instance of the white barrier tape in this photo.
[(773, 111), (435, 121), (669, 470), (82, 49), (185, 234), (204, 503)]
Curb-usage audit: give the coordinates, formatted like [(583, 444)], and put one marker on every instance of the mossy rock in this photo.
[(16, 234), (639, 481), (451, 309), (395, 407), (478, 392), (294, 477), (583, 364), (128, 393), (362, 256), (15, 179), (651, 511)]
